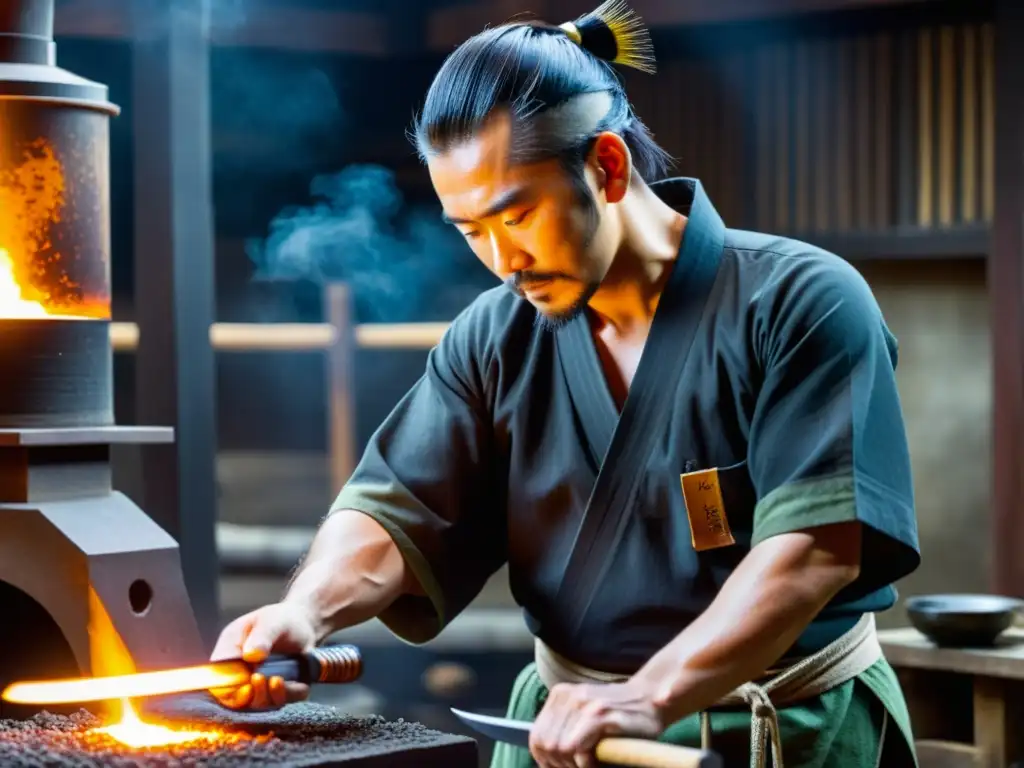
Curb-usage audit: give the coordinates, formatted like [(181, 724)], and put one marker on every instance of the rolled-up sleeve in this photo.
[(428, 476), (827, 440)]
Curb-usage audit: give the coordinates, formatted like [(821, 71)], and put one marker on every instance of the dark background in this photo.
[(283, 118)]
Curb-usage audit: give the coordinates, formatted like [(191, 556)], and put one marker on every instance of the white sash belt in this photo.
[(840, 661)]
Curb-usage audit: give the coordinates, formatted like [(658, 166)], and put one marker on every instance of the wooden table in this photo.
[(965, 704)]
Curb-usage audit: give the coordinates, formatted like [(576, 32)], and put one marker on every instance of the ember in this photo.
[(80, 740), (35, 268), (298, 735)]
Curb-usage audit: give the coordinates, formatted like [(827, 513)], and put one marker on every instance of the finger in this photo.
[(543, 758), (582, 732), (224, 695), (565, 729), (229, 643), (539, 755), (565, 749), (539, 743), (260, 697), (585, 760), (544, 738), (244, 696), (575, 730), (261, 639), (276, 692), (235, 698), (296, 691)]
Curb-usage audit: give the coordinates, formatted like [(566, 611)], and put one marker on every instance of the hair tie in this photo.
[(613, 33), (572, 32)]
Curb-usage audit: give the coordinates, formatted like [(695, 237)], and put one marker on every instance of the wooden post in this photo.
[(1006, 292), (340, 365)]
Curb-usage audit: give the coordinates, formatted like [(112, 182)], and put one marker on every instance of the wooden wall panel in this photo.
[(699, 111), (882, 134), (859, 134), (987, 86), (924, 128)]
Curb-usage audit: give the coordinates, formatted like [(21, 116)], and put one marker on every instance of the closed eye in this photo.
[(520, 218)]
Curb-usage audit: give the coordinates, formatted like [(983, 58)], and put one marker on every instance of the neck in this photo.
[(650, 234)]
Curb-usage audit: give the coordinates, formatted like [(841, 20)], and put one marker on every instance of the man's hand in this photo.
[(576, 717), (278, 628)]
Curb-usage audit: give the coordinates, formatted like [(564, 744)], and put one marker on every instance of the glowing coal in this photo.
[(305, 735)]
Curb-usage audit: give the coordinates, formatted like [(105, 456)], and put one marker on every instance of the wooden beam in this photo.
[(256, 25), (1006, 292), (450, 25)]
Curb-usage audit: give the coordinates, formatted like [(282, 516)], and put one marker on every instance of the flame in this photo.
[(115, 679), (34, 279), (110, 657), (133, 732), (12, 303)]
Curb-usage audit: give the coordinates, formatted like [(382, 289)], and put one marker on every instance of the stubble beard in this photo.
[(552, 321), (555, 320)]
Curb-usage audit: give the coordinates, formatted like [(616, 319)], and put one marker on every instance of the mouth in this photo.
[(536, 287)]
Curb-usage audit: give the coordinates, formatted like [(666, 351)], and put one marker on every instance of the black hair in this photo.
[(531, 68)]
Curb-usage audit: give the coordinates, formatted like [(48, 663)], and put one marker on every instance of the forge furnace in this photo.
[(89, 584)]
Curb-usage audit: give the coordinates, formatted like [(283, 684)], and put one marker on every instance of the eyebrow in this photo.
[(504, 200)]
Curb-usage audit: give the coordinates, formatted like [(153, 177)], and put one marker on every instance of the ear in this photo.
[(614, 164)]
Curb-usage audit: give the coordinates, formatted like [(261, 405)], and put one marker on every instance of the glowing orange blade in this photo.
[(221, 674)]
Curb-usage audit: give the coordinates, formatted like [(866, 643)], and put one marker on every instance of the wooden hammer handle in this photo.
[(642, 753)]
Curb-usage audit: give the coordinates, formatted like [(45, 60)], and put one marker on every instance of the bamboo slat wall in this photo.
[(878, 132)]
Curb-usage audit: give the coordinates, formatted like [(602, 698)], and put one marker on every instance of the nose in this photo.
[(506, 257)]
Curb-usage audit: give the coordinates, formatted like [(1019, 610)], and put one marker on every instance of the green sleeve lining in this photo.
[(806, 504)]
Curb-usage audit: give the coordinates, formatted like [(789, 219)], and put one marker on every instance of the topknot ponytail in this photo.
[(616, 34)]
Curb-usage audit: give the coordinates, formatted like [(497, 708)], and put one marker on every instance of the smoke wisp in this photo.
[(402, 262)]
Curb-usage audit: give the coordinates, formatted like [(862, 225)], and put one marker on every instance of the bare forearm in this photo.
[(353, 571), (761, 610)]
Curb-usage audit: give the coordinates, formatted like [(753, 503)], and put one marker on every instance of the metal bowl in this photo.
[(963, 621)]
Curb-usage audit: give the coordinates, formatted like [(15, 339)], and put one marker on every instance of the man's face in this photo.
[(532, 225)]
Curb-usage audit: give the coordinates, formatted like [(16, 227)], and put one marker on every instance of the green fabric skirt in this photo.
[(863, 723)]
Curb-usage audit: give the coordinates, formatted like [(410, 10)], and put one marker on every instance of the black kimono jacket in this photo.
[(768, 360)]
